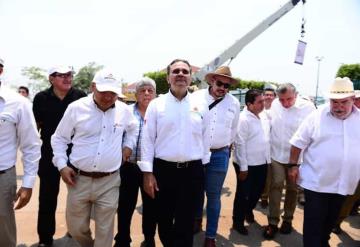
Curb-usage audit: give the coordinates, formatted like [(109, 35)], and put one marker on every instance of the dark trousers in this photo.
[(131, 181), (49, 190), (320, 214), (176, 201), (248, 191)]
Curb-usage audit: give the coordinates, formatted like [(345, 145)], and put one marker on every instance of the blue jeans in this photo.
[(215, 173)]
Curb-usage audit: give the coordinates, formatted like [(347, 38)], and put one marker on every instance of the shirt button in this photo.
[(98, 153), (102, 140), (94, 166), (104, 126)]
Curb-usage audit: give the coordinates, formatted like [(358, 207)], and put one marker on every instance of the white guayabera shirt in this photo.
[(331, 152)]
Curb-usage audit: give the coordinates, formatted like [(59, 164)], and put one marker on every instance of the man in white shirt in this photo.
[(224, 110), (287, 112), (252, 156), (132, 177), (174, 147), (17, 130), (330, 139), (95, 126)]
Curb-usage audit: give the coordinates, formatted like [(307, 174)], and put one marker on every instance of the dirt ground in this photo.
[(26, 220)]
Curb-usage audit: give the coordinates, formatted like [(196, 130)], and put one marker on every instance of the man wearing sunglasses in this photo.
[(49, 107), (174, 146), (224, 110)]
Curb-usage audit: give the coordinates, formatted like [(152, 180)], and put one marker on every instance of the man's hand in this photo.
[(150, 184), (293, 174), (242, 175), (126, 153), (23, 197), (68, 175)]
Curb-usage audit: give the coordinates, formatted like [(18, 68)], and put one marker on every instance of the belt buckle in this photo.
[(182, 164)]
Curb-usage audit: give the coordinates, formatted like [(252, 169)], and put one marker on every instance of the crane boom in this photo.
[(234, 50)]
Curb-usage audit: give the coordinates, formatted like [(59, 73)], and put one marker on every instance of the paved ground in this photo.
[(27, 218)]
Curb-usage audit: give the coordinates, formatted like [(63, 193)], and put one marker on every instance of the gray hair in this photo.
[(283, 88), (145, 81)]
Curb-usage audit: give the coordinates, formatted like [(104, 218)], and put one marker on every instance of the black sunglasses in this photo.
[(62, 75), (177, 71), (220, 84)]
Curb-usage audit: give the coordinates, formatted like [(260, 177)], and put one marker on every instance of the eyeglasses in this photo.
[(220, 84), (62, 75), (177, 71)]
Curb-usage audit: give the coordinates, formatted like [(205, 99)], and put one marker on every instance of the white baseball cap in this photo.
[(105, 81), (60, 69)]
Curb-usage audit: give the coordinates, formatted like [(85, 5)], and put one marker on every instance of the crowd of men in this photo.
[(176, 149)]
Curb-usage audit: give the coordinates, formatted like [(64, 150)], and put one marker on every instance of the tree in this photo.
[(38, 78), (83, 78), (159, 77), (352, 71)]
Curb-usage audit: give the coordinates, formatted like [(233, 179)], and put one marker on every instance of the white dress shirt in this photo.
[(284, 122), (331, 152), (18, 129), (252, 141), (96, 136), (223, 118), (174, 131)]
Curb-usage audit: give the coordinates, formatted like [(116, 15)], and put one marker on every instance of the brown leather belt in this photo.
[(218, 149), (91, 174)]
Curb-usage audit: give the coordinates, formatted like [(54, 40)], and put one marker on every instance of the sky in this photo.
[(134, 37)]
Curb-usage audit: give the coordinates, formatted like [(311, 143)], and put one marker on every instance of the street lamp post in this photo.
[(318, 58)]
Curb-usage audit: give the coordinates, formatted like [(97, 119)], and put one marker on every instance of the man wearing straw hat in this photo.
[(330, 140), (224, 110)]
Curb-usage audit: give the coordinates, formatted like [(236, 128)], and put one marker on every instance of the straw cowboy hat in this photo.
[(357, 93), (222, 71), (341, 88)]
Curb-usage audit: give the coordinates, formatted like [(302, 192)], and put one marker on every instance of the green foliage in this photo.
[(352, 71), (250, 84), (38, 78), (159, 77), (349, 70), (83, 78)]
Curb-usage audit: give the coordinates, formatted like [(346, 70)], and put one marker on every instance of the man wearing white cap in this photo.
[(49, 107), (94, 125), (17, 130), (330, 140)]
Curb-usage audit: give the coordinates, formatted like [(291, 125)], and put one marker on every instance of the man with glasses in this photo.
[(132, 177), (174, 147), (95, 125), (224, 110), (329, 139), (49, 107)]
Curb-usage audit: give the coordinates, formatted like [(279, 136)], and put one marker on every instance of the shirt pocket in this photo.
[(229, 117), (7, 125), (196, 122)]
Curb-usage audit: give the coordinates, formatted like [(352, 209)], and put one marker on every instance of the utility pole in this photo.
[(318, 58)]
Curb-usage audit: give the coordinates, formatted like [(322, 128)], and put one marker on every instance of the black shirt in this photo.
[(48, 110)]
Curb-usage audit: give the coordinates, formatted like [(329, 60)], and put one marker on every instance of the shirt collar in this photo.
[(186, 98)]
